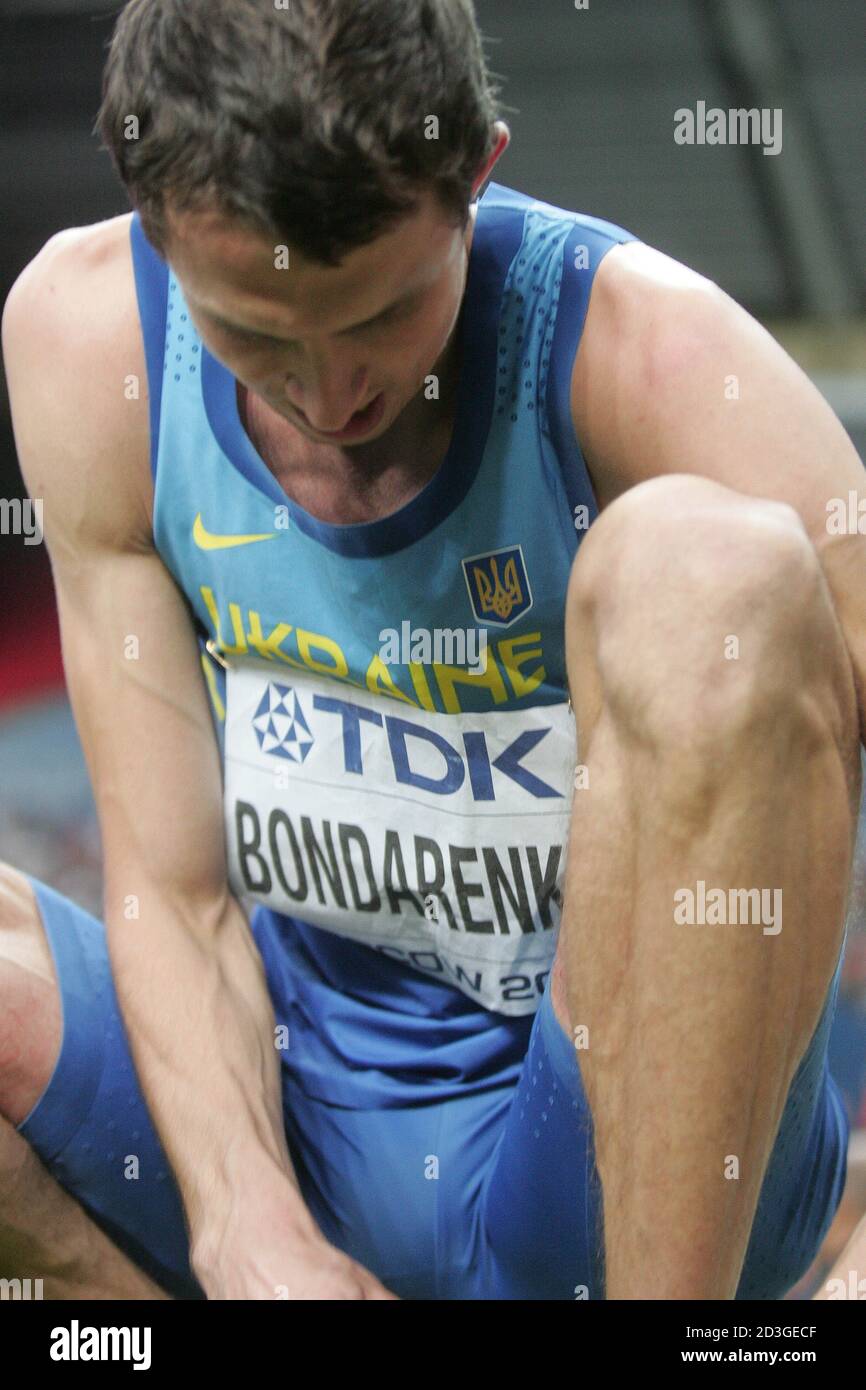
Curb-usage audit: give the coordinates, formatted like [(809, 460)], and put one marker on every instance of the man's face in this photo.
[(317, 343)]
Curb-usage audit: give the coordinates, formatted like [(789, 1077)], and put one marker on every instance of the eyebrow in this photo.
[(261, 333)]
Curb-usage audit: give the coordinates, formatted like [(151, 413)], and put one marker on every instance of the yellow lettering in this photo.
[(379, 682), (309, 640), (512, 661), (449, 676), (268, 647), (422, 689), (237, 623)]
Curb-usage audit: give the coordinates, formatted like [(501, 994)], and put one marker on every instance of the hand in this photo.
[(305, 1268)]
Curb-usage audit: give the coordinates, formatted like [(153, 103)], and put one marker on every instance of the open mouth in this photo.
[(361, 421)]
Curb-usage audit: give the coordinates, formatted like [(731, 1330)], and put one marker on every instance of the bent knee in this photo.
[(689, 543), (30, 1011), (705, 607), (676, 562)]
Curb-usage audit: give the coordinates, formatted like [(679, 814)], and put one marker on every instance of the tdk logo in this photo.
[(280, 725), (407, 745)]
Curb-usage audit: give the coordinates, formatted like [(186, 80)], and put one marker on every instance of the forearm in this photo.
[(201, 1029)]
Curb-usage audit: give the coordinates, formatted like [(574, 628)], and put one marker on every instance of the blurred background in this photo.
[(590, 98)]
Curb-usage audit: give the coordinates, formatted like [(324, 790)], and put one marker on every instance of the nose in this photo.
[(333, 397)]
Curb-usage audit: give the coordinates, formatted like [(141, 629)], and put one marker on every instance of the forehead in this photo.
[(230, 269)]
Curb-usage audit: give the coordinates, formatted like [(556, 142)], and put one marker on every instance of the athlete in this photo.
[(420, 977)]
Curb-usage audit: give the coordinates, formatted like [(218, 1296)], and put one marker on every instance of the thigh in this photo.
[(91, 1126)]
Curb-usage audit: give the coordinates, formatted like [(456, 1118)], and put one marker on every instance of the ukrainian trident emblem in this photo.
[(498, 586)]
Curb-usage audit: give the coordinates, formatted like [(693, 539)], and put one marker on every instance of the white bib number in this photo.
[(439, 839)]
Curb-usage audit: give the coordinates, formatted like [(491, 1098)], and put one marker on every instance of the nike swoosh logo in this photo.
[(206, 540)]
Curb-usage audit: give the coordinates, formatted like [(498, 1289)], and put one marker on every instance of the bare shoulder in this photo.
[(634, 268), (78, 268), (652, 327), (674, 376), (75, 363), (641, 291)]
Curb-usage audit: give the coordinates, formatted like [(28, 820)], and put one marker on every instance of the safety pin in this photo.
[(210, 646)]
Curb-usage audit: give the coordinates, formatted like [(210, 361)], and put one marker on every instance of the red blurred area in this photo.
[(30, 662)]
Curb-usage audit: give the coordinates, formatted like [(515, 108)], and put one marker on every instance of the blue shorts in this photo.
[(492, 1195)]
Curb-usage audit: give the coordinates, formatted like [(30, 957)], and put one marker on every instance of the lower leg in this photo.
[(695, 1031)]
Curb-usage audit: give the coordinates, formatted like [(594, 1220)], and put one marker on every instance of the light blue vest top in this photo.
[(487, 545)]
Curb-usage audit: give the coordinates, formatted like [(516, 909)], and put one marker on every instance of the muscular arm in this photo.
[(673, 376), (189, 978)]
